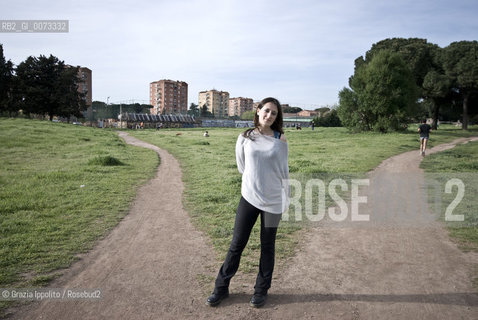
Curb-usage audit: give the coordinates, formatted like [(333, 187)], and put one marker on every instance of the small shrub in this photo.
[(105, 161), (202, 143)]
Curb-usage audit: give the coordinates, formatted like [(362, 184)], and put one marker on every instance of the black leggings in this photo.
[(246, 217)]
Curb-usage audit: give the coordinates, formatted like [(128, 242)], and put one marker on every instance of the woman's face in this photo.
[(267, 115)]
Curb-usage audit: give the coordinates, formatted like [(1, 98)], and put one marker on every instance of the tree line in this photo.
[(40, 85), (400, 80), (103, 110)]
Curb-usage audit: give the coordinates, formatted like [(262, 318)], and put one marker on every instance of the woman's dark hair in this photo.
[(276, 126)]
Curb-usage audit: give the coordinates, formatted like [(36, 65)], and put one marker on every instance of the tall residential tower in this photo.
[(168, 96), (237, 106), (217, 102)]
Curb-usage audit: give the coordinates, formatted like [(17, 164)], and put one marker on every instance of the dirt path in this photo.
[(149, 266)]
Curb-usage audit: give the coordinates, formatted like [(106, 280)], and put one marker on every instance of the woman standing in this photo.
[(262, 159)]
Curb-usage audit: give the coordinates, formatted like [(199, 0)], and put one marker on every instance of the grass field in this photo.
[(213, 182), (459, 163), (62, 186)]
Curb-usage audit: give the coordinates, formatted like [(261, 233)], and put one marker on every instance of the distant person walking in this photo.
[(262, 159), (424, 130)]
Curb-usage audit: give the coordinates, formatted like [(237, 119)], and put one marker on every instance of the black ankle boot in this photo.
[(258, 300), (216, 298)]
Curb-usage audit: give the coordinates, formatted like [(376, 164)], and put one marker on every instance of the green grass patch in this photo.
[(459, 163), (61, 188), (105, 161), (213, 183)]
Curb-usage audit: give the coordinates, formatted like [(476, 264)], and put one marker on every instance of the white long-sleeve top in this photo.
[(263, 163)]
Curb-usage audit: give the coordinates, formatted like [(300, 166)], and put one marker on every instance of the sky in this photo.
[(299, 51)]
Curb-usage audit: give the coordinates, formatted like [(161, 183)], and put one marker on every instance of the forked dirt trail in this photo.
[(150, 266)]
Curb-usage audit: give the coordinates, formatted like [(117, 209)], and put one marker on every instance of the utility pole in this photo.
[(121, 116)]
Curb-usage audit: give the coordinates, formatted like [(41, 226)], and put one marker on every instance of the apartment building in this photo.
[(217, 102), (168, 97), (237, 106), (85, 83), (85, 86)]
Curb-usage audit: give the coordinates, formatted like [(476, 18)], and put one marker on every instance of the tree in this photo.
[(424, 60), (50, 87), (383, 94), (351, 114), (6, 82), (37, 82), (436, 89), (193, 110), (288, 109), (138, 108), (417, 53), (205, 112), (248, 115), (323, 110), (329, 119), (460, 61)]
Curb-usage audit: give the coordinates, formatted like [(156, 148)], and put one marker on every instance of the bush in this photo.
[(105, 161), (474, 119), (330, 119)]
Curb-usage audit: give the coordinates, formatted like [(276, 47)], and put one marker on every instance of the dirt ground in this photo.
[(156, 265)]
